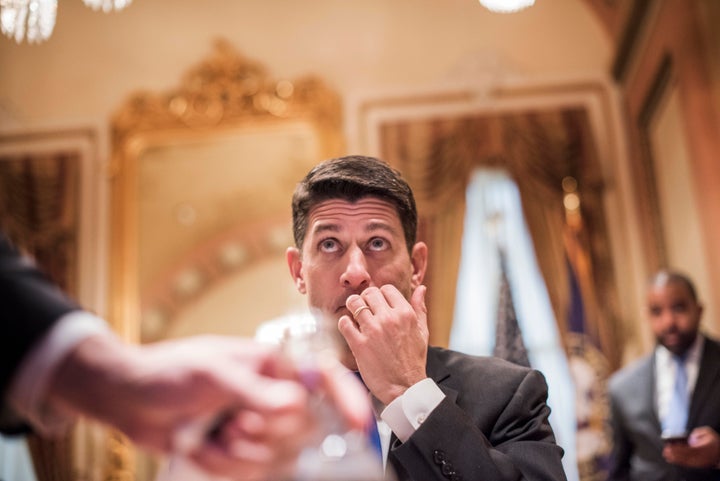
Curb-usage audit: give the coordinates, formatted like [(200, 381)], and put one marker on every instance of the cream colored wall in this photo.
[(93, 61), (679, 212), (362, 48)]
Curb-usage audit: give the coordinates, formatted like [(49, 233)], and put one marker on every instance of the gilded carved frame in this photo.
[(223, 93)]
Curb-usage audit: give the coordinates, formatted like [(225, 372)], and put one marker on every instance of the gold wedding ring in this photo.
[(359, 310)]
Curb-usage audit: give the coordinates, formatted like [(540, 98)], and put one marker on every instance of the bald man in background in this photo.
[(655, 437)]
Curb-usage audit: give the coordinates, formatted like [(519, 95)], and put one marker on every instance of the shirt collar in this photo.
[(692, 355)]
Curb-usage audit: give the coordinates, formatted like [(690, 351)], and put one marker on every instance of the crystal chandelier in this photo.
[(506, 6), (35, 19), (107, 5)]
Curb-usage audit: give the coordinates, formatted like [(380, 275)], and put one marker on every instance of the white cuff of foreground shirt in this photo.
[(27, 393), (407, 412)]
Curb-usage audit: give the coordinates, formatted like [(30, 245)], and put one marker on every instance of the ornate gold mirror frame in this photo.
[(227, 121)]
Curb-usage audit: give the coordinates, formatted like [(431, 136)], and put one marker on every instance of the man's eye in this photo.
[(329, 245), (680, 307), (378, 244)]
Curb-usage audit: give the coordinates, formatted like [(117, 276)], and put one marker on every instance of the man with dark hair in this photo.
[(664, 407), (446, 415)]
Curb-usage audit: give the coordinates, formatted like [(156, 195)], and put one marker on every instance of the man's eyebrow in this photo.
[(320, 228), (373, 226), (380, 226)]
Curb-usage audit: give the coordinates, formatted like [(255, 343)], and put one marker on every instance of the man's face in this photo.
[(350, 247), (674, 316)]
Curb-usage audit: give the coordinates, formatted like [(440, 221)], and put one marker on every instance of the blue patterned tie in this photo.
[(675, 421), (374, 437), (371, 429)]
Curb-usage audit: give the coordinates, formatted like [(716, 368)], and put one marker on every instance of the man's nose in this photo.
[(668, 318), (356, 275)]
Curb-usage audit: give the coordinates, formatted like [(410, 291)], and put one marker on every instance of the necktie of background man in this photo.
[(675, 422)]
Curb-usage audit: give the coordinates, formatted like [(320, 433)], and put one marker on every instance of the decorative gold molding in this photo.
[(226, 88), (120, 458), (658, 91), (224, 93), (213, 261), (630, 37)]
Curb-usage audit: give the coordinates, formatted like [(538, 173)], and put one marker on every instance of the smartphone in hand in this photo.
[(675, 438)]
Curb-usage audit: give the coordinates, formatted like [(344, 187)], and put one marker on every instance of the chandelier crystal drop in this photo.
[(31, 19), (34, 20), (506, 6), (107, 5)]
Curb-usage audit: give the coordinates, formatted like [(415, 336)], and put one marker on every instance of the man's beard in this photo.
[(685, 340)]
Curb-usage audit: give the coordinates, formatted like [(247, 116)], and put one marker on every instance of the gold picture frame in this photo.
[(195, 169)]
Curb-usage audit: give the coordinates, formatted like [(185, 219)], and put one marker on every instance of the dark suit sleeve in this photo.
[(486, 436), (621, 451), (29, 306)]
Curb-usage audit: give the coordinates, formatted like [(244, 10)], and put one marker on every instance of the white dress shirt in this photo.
[(666, 371), (407, 412)]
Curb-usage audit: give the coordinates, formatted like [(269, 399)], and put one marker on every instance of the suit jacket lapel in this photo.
[(435, 369), (708, 377), (649, 388)]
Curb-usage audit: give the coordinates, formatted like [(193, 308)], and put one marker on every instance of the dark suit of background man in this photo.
[(453, 416), (642, 399)]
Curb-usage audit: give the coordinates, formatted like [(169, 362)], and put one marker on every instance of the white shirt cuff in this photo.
[(27, 393), (407, 412)]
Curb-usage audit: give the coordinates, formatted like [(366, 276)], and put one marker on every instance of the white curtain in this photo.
[(494, 217), (15, 461)]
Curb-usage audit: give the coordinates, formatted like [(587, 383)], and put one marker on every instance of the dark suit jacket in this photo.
[(491, 426), (29, 305), (637, 448)]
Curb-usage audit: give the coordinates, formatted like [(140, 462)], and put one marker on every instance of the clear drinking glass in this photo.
[(338, 454)]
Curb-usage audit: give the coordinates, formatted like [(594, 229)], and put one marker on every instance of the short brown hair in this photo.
[(352, 178)]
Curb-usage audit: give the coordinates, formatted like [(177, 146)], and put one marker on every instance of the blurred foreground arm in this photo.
[(152, 392), (59, 362)]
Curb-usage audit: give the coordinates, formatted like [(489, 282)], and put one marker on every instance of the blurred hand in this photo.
[(389, 340), (247, 394), (701, 451)]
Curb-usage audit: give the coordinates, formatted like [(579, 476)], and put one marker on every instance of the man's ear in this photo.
[(294, 260), (418, 258)]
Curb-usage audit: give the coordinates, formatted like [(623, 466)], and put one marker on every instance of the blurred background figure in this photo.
[(664, 407)]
